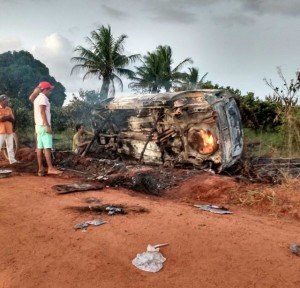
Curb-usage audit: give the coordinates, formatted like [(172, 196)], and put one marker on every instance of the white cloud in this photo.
[(238, 42), (56, 52), (10, 44)]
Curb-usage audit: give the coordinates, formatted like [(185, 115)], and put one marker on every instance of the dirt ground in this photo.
[(248, 248)]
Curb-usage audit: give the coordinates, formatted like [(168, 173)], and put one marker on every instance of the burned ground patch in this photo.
[(145, 182), (108, 209), (77, 187)]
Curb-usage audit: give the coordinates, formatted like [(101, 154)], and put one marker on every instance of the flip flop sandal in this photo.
[(55, 172), (41, 173)]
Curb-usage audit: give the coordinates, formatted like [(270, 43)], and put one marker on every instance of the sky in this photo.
[(237, 42)]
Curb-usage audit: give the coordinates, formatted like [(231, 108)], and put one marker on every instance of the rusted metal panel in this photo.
[(200, 128)]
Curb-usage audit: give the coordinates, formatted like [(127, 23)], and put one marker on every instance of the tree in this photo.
[(80, 108), (20, 73), (104, 59), (191, 80), (156, 71), (257, 114), (286, 100)]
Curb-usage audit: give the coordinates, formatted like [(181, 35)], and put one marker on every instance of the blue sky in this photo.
[(238, 42)]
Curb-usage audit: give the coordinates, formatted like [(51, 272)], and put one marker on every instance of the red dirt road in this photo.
[(40, 247)]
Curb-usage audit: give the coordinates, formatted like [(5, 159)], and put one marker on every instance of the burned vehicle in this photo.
[(200, 128)]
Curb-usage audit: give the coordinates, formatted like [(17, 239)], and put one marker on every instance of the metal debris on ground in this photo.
[(213, 208), (112, 210), (150, 261), (5, 173), (81, 225), (295, 248), (85, 224), (76, 187)]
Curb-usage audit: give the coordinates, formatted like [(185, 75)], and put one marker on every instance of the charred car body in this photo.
[(200, 128)]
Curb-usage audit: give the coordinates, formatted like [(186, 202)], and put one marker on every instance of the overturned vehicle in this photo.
[(199, 128)]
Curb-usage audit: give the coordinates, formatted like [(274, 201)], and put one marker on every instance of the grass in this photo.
[(61, 140), (269, 144), (253, 197)]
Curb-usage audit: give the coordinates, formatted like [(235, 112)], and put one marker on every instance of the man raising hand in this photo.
[(42, 118)]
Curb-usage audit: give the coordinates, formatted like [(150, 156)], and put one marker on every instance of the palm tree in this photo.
[(191, 80), (105, 59), (156, 71), (147, 77)]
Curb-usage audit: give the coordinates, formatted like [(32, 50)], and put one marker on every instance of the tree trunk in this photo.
[(104, 89)]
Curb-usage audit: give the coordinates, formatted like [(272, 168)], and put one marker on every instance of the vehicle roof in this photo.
[(163, 99)]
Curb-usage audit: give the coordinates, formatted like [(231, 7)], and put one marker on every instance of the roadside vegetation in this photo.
[(271, 123)]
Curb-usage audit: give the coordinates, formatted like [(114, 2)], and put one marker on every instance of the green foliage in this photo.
[(63, 139), (20, 73), (104, 59), (59, 119), (268, 144), (80, 108), (156, 71), (210, 85), (190, 80), (258, 114), (23, 115), (286, 100)]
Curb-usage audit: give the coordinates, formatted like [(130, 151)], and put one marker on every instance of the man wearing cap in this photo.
[(42, 118), (6, 128)]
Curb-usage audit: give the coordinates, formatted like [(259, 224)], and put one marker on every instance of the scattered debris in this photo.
[(150, 182), (92, 200), (5, 173), (81, 225), (106, 208), (272, 170), (150, 261), (85, 224), (112, 210), (213, 209), (77, 187), (295, 248), (155, 248)]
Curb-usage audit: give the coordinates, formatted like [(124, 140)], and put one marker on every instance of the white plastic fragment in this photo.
[(150, 261), (213, 208), (85, 224), (96, 222)]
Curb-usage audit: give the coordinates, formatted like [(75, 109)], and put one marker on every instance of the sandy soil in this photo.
[(249, 248)]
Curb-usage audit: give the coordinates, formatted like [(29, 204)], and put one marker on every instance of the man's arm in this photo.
[(82, 144), (34, 94), (78, 143), (10, 118), (44, 117), (7, 118), (89, 133)]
